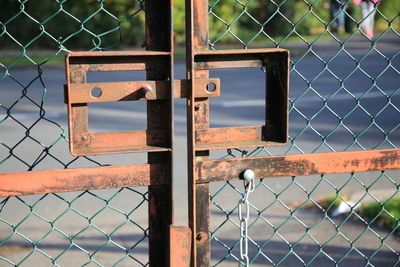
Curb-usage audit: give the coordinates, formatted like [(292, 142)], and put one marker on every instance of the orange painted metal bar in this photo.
[(228, 134), (66, 180), (138, 90), (180, 246), (227, 64), (106, 143), (274, 131), (235, 52), (117, 91), (238, 137), (117, 60), (299, 165), (248, 58), (197, 118), (118, 53), (112, 67)]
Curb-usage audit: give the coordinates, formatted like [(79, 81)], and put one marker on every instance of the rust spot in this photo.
[(199, 237)]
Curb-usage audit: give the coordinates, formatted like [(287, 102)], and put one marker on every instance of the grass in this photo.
[(387, 213), (14, 59), (330, 202)]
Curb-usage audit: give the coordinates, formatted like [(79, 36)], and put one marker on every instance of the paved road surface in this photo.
[(241, 104)]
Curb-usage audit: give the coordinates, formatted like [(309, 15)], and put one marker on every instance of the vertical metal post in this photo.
[(198, 118), (160, 116)]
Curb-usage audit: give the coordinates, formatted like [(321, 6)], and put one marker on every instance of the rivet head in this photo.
[(199, 237), (147, 93), (84, 138), (248, 175)]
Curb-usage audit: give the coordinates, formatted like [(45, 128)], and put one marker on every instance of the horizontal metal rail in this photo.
[(66, 180), (239, 137), (298, 165)]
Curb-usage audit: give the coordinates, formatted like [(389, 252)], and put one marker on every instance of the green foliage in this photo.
[(259, 20), (309, 16), (179, 21), (224, 19), (389, 15), (91, 24), (103, 24), (330, 203), (388, 212), (326, 204)]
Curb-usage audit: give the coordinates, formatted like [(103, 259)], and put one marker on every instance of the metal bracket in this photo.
[(78, 93), (274, 131), (180, 246)]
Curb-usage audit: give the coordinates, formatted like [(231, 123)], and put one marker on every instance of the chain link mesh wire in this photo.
[(101, 228), (344, 96), (290, 224)]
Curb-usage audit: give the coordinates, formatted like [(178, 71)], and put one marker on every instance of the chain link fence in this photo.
[(100, 228), (103, 228), (341, 98), (344, 96)]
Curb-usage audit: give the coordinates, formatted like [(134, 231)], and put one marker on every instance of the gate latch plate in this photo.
[(78, 93), (275, 130)]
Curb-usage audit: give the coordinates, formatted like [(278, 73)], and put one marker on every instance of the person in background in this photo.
[(368, 10), (336, 14)]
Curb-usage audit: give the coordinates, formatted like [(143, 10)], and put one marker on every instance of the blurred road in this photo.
[(326, 85)]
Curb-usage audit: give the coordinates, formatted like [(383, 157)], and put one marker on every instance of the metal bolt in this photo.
[(84, 138), (148, 93), (248, 175)]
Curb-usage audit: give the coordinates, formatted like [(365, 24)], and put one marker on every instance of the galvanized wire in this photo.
[(288, 213), (30, 94), (288, 225), (99, 228), (103, 228)]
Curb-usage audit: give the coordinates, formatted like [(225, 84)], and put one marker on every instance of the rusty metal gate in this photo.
[(75, 210)]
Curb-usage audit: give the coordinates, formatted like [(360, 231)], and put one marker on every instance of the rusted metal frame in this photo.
[(79, 93), (77, 113), (121, 54), (298, 165), (159, 37), (244, 58), (94, 61), (122, 142), (274, 131), (201, 138), (234, 137), (68, 180), (197, 119), (83, 142)]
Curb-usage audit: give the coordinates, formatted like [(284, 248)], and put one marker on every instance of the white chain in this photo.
[(244, 216)]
